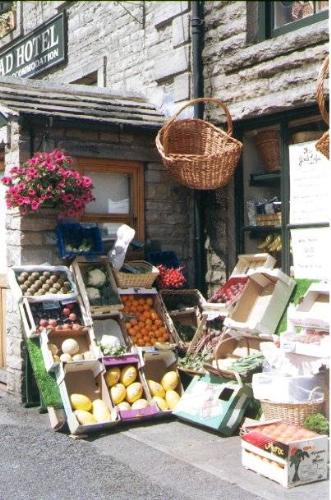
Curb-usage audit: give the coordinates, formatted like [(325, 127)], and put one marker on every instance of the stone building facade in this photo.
[(143, 49)]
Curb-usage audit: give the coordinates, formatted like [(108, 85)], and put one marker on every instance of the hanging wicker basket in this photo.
[(196, 153), (322, 145), (268, 145)]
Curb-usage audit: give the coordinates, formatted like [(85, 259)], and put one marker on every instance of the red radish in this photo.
[(43, 322), (66, 311), (52, 322), (72, 317)]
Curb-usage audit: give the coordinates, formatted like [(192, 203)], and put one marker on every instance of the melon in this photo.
[(124, 406), (65, 358), (134, 392), (85, 417), (100, 411), (156, 389), (161, 403), (112, 376), (80, 402), (172, 398), (129, 375), (117, 393), (170, 380), (70, 346), (139, 404)]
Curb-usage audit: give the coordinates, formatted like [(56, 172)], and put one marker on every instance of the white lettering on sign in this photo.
[(36, 51)]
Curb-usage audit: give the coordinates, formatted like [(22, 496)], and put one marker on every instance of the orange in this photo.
[(149, 301)]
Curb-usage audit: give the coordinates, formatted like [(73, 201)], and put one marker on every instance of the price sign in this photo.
[(311, 253)]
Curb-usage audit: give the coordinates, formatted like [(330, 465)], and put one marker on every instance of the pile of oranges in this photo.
[(145, 327)]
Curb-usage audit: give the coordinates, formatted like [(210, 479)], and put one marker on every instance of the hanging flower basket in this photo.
[(196, 153), (47, 181), (322, 145)]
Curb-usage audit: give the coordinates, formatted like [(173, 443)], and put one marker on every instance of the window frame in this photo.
[(136, 216), (266, 21)]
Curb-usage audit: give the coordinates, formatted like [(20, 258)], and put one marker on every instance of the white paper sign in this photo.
[(309, 184), (311, 253)]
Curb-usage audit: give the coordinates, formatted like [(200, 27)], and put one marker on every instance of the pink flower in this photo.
[(77, 204), (68, 198), (86, 182), (50, 166), (7, 180), (35, 205), (31, 192), (32, 173)]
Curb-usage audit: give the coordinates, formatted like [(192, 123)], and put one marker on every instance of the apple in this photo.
[(52, 322), (72, 316), (66, 311)]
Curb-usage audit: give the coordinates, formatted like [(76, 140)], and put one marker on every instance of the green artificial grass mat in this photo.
[(49, 391), (300, 289)]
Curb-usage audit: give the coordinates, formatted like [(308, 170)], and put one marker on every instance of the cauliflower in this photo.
[(96, 278), (93, 293)]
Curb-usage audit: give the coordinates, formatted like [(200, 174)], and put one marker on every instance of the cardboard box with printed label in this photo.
[(214, 402), (87, 379), (285, 453), (131, 413), (262, 303)]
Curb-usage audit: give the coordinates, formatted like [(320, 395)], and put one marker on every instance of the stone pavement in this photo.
[(167, 460)]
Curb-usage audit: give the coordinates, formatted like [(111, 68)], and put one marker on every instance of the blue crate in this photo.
[(74, 233), (168, 259)]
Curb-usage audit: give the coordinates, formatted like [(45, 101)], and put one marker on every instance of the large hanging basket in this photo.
[(322, 145), (196, 153), (268, 145)]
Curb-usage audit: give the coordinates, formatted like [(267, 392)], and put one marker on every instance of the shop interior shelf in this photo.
[(264, 178), (262, 229)]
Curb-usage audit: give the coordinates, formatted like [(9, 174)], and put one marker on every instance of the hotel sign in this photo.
[(41, 49)]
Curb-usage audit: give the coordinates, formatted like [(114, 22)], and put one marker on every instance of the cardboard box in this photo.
[(112, 324), (99, 306), (314, 309), (214, 402), (157, 363), (84, 378), (262, 303), (158, 306), (252, 262), (299, 343), (287, 389), (300, 457), (226, 296), (31, 313), (85, 339), (15, 286), (132, 415)]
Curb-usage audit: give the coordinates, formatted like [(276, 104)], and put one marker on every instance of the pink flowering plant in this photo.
[(45, 180)]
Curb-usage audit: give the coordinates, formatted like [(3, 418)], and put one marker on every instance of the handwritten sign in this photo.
[(311, 253), (309, 184)]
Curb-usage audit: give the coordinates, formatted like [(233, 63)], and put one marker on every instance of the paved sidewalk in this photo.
[(166, 460)]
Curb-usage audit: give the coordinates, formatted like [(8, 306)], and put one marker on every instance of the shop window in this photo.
[(276, 18), (119, 195)]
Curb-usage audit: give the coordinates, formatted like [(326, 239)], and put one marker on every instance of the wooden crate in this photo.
[(79, 266)]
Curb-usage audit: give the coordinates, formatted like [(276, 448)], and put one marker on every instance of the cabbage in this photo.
[(93, 293), (96, 278)]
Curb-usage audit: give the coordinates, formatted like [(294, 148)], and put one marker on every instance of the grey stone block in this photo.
[(182, 87), (166, 66), (168, 10), (180, 30)]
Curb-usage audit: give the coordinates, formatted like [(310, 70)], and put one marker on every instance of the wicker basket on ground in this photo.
[(196, 153), (322, 145)]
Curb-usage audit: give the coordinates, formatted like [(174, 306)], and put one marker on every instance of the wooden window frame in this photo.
[(266, 21), (136, 216)]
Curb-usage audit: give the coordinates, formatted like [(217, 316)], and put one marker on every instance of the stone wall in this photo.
[(128, 45), (254, 79), (31, 240)]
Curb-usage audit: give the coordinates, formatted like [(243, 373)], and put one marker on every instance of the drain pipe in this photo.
[(197, 28)]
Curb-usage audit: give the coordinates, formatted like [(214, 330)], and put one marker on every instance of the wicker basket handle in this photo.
[(220, 103), (310, 397), (320, 90)]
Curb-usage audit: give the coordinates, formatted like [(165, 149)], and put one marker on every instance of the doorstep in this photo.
[(218, 456)]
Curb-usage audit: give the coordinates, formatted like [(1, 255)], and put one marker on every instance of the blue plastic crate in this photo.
[(168, 259), (74, 234)]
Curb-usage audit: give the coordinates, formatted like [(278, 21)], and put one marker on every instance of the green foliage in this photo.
[(299, 290), (46, 382), (317, 423)]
